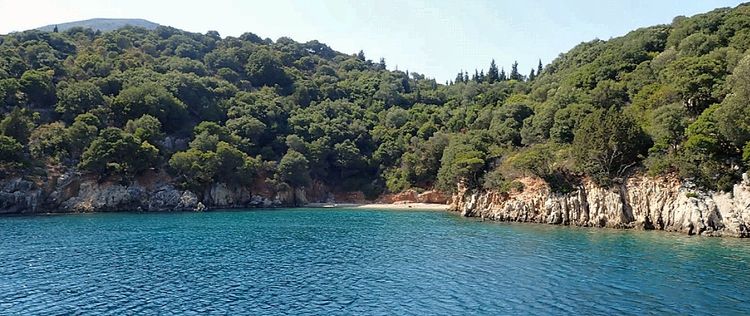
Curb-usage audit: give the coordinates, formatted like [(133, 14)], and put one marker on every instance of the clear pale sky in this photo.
[(433, 37)]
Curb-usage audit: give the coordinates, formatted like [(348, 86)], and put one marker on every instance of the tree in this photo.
[(668, 126), (462, 161), (145, 128), (567, 121), (532, 75), (733, 117), (695, 79), (234, 166), (460, 77), (249, 129), (536, 128), (505, 125), (195, 168), (539, 68), (76, 98), (265, 69), (608, 93), (115, 152), (11, 158), (38, 87), (421, 162), (708, 158), (502, 76), (607, 144), (293, 169), (151, 99), (9, 96), (348, 158), (492, 74), (81, 133), (18, 124), (361, 55), (514, 74), (49, 141)]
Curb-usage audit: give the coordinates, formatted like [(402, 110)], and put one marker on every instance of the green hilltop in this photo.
[(668, 100)]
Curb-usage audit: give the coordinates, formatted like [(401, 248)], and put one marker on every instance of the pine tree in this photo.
[(539, 68), (55, 29), (382, 63), (502, 76), (532, 75), (475, 78), (481, 76), (466, 76), (514, 74), (361, 55), (405, 84), (460, 77), (492, 73)]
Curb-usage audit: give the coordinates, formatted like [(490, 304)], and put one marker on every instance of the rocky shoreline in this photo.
[(638, 203), (73, 193)]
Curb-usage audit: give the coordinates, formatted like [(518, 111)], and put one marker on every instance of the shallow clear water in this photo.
[(306, 261)]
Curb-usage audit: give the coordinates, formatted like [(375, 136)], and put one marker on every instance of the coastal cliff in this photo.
[(74, 193), (639, 202)]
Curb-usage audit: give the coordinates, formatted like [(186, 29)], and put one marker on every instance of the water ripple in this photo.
[(343, 262)]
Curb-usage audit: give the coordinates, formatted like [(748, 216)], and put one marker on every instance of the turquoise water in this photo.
[(329, 262)]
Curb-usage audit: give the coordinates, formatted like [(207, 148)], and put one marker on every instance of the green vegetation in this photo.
[(668, 99)]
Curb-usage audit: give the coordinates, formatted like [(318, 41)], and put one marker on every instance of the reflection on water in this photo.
[(358, 262)]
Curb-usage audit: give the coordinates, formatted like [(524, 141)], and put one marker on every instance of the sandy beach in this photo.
[(383, 206)]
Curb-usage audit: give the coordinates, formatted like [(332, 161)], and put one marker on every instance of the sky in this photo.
[(436, 38)]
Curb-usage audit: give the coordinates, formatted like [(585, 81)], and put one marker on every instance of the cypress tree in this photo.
[(539, 68), (514, 74), (492, 73)]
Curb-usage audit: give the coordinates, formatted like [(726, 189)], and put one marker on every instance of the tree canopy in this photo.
[(246, 110)]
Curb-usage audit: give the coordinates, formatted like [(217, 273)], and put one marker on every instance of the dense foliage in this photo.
[(668, 99)]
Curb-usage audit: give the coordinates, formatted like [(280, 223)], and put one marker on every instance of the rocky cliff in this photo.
[(71, 192), (640, 202)]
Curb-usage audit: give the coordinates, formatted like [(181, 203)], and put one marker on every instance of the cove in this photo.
[(355, 261)]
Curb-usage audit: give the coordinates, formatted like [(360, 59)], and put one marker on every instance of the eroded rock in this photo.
[(640, 202)]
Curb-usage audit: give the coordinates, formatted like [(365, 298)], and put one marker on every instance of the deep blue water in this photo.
[(330, 262)]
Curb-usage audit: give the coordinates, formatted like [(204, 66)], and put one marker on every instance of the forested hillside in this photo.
[(664, 100)]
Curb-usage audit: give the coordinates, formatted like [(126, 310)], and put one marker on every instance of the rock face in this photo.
[(640, 202), (433, 197), (70, 192), (20, 196), (411, 196), (103, 197)]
